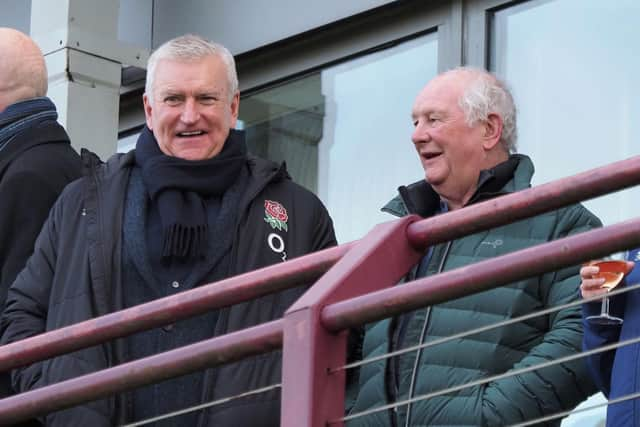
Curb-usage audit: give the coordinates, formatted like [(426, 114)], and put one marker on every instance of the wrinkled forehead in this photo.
[(207, 73), (440, 94)]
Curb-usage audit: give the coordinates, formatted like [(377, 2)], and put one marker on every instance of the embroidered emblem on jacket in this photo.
[(275, 215), (276, 243)]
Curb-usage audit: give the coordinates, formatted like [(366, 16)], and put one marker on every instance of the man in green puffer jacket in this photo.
[(465, 133)]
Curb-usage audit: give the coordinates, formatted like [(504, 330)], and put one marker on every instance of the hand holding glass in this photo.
[(612, 272)]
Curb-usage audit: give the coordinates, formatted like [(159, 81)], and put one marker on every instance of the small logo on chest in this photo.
[(276, 216), (494, 243)]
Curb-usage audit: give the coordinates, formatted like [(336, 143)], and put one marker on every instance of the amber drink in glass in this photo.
[(612, 272)]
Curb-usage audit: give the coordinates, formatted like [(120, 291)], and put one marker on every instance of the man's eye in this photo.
[(208, 100), (172, 100)]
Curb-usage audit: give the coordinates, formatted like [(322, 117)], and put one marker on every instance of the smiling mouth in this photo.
[(429, 156), (190, 134)]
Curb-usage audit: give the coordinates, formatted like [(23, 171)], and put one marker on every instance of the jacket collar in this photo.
[(420, 198), (260, 169), (49, 132)]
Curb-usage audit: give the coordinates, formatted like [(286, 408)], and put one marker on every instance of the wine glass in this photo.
[(612, 271)]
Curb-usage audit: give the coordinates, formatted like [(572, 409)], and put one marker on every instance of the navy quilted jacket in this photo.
[(76, 268), (617, 373)]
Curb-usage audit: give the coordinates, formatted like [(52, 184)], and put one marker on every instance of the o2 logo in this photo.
[(276, 243)]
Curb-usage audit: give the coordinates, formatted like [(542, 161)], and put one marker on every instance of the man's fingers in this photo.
[(587, 272), (593, 294), (592, 287), (592, 284)]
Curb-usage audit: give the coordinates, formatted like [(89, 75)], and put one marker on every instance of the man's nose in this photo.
[(190, 112), (420, 134)]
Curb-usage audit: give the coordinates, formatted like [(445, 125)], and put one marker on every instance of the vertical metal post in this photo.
[(310, 395), (79, 39)]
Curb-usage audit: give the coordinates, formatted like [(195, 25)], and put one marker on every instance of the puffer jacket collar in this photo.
[(420, 198)]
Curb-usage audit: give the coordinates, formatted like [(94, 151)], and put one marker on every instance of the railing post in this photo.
[(310, 395)]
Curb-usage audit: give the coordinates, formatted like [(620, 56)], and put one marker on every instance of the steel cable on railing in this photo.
[(489, 379), (486, 328), (563, 414), (486, 380), (204, 405), (180, 361)]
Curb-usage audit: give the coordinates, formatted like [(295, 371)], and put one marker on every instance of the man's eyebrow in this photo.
[(165, 92), (421, 112), (213, 92), (177, 92)]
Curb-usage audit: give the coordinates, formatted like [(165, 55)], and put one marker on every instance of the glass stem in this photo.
[(604, 311)]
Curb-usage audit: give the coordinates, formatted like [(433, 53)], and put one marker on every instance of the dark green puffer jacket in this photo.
[(504, 401)]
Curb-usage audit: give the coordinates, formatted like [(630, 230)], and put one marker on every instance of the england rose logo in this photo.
[(275, 215)]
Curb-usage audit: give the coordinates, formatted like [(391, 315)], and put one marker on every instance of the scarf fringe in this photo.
[(182, 241)]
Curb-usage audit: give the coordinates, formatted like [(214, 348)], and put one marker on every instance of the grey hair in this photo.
[(486, 95), (191, 47)]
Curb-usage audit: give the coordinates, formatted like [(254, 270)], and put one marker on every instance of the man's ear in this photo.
[(235, 109), (147, 111), (492, 131)]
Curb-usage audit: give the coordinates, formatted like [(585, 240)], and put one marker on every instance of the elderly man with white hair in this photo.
[(188, 206), (465, 135)]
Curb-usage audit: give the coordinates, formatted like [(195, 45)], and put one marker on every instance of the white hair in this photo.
[(188, 48), (485, 95)]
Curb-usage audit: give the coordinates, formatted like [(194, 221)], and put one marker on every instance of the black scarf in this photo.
[(178, 186)]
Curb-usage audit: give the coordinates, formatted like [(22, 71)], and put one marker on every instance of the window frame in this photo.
[(342, 40)]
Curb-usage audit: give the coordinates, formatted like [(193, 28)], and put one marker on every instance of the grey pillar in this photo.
[(79, 39)]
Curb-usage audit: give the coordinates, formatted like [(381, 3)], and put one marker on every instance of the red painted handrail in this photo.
[(527, 203), (481, 216), (181, 361), (166, 310), (269, 336), (380, 259), (482, 276), (310, 329)]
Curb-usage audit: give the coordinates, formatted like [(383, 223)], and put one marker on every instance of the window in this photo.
[(127, 143), (345, 131), (575, 87), (572, 67)]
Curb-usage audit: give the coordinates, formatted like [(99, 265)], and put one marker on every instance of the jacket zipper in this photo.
[(210, 375), (423, 332), (108, 349)]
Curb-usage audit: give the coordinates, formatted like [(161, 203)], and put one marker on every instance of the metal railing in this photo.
[(351, 292), (486, 380)]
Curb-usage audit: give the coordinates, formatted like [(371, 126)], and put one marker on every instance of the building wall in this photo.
[(16, 14), (244, 25)]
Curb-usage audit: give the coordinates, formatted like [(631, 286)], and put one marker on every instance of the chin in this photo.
[(431, 179), (191, 156)]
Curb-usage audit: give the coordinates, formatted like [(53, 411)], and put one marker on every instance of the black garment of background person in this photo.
[(34, 168)]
